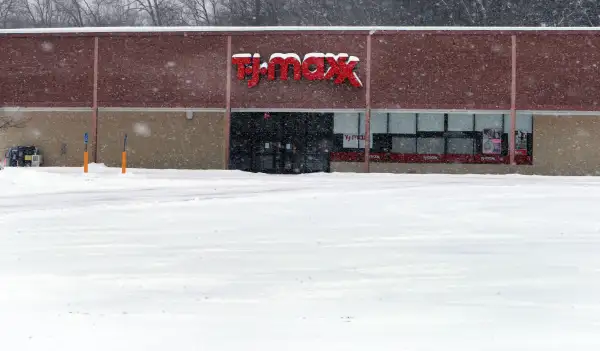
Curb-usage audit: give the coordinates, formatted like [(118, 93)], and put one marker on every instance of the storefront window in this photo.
[(451, 137), (524, 122), (404, 145), (361, 123), (430, 146), (460, 122), (430, 122), (379, 123), (460, 146), (345, 123), (489, 121), (348, 136), (524, 134), (402, 123)]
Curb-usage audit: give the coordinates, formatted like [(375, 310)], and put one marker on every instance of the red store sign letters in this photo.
[(314, 66)]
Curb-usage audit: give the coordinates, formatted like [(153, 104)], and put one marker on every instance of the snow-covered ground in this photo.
[(192, 260)]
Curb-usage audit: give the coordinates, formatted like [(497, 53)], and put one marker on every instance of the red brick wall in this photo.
[(46, 71), (556, 70)]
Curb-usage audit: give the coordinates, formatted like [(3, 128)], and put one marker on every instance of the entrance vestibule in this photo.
[(281, 142)]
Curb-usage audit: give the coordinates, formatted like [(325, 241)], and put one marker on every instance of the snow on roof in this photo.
[(372, 30)]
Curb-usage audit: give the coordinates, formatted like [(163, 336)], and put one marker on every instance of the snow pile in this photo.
[(218, 260), (142, 129)]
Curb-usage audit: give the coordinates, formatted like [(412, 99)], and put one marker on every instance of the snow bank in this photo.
[(220, 260)]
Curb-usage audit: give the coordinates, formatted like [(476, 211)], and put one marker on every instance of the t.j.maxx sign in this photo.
[(315, 66)]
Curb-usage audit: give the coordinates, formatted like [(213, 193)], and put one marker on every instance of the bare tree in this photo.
[(73, 11), (160, 12), (202, 12), (254, 12), (7, 10), (97, 13), (40, 13)]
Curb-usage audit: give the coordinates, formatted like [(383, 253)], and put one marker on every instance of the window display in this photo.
[(427, 137), (523, 133), (492, 141), (433, 137)]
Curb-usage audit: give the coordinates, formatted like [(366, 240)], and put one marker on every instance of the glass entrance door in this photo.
[(281, 143), (318, 142)]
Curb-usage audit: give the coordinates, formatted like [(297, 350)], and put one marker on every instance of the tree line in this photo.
[(98, 13)]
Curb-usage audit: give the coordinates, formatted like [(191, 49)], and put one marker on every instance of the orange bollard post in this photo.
[(124, 156), (124, 162)]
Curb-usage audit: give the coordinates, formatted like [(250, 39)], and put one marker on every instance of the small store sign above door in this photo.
[(315, 66)]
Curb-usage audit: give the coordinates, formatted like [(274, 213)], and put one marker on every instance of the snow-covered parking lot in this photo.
[(216, 260)]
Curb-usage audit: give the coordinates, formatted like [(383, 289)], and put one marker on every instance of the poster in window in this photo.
[(355, 141), (492, 141), (521, 142)]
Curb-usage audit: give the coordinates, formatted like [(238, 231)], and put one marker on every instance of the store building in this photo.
[(296, 100)]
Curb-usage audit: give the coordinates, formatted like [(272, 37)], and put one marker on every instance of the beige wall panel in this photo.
[(352, 167), (443, 168), (59, 135), (163, 139), (566, 145)]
